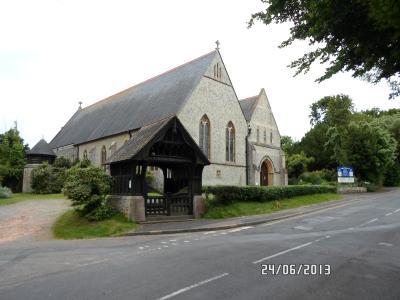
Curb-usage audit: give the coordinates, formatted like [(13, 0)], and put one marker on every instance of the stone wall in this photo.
[(94, 148), (267, 143), (131, 206), (217, 99)]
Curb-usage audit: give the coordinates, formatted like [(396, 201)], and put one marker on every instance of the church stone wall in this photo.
[(94, 148), (263, 147), (69, 151), (219, 102)]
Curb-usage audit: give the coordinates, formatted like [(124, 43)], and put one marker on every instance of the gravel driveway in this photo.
[(30, 220)]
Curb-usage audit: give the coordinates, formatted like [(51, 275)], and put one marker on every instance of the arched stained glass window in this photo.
[(230, 142), (204, 135)]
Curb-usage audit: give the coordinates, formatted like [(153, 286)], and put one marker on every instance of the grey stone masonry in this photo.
[(131, 206)]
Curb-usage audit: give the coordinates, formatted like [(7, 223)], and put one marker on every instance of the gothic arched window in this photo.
[(230, 142), (204, 135), (85, 154), (103, 155)]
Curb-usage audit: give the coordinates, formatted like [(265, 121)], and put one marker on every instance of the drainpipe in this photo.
[(247, 153)]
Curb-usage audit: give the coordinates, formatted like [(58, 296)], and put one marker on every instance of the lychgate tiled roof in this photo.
[(138, 140), (145, 103)]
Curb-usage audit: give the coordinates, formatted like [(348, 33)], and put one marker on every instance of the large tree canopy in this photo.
[(360, 36), (12, 159)]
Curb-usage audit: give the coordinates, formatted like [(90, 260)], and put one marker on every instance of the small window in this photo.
[(230, 142), (204, 135), (85, 154), (265, 136), (103, 155), (270, 136), (258, 134), (217, 71)]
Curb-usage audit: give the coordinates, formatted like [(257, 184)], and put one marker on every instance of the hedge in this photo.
[(228, 194)]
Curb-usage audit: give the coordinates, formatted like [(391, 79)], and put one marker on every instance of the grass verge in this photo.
[(238, 209), (18, 197), (71, 225)]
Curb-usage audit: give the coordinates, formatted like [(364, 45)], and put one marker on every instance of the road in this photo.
[(360, 241)]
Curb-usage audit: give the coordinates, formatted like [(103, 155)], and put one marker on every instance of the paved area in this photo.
[(346, 252), (29, 220), (212, 224)]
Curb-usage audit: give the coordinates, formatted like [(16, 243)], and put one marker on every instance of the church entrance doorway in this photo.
[(266, 173)]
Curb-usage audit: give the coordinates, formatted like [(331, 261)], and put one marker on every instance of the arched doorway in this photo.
[(266, 173)]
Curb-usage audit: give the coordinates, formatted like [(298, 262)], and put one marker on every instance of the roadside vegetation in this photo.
[(368, 141), (216, 210), (71, 225)]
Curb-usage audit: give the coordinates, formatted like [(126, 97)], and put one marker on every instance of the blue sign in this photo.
[(345, 171)]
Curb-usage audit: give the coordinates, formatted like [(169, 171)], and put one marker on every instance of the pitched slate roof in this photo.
[(41, 148), (138, 140), (135, 107), (248, 105), (149, 134)]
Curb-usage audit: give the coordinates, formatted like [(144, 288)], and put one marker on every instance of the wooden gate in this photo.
[(168, 205)]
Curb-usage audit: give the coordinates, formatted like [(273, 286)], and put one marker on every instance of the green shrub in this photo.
[(62, 162), (228, 194), (5, 192), (87, 187), (47, 179)]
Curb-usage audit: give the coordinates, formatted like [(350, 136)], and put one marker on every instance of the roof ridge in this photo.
[(248, 98), (147, 80)]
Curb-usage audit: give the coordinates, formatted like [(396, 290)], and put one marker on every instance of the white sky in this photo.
[(56, 53)]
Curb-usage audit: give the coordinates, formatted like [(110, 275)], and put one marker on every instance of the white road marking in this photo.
[(209, 232), (172, 240), (303, 228), (163, 242), (371, 221), (397, 210), (388, 214), (93, 262), (141, 248), (165, 246), (291, 249), (175, 244), (282, 252), (193, 286), (351, 228), (196, 239), (186, 241), (386, 244), (241, 228), (223, 233)]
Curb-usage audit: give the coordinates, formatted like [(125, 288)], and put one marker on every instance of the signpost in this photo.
[(345, 174)]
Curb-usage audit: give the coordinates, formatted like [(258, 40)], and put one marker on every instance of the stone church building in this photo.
[(240, 138)]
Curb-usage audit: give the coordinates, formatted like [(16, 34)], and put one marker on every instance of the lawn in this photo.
[(237, 209), (72, 226), (18, 197)]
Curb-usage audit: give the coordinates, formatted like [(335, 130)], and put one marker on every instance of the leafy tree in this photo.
[(360, 36), (297, 164), (313, 144), (332, 110), (12, 159), (367, 146), (289, 146)]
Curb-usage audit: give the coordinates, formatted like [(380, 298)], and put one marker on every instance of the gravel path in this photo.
[(30, 220)]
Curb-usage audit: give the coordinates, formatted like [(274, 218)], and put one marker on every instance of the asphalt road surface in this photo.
[(347, 252)]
